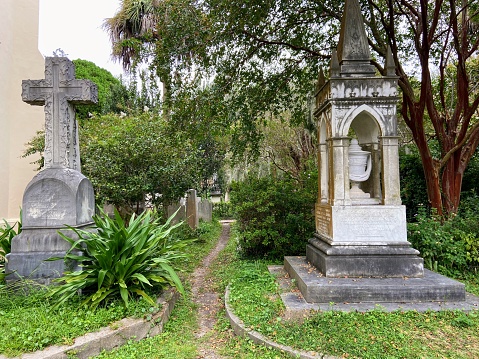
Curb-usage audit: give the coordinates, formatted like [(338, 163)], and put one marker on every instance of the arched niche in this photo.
[(368, 123), (323, 160), (366, 129)]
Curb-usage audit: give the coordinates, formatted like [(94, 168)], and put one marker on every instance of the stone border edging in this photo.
[(258, 338), (107, 338)]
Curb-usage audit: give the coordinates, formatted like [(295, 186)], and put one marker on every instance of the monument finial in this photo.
[(335, 68), (353, 49), (390, 65), (321, 79)]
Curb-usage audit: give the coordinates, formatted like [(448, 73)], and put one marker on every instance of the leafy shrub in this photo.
[(275, 216), (112, 93), (413, 185), (447, 246), (223, 210), (121, 260), (127, 159)]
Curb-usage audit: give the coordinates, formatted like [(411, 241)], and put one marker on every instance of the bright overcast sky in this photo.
[(76, 27)]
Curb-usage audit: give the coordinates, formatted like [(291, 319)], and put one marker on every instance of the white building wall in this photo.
[(20, 60)]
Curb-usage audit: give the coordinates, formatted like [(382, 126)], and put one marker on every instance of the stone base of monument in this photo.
[(32, 248), (399, 260), (54, 199), (317, 288)]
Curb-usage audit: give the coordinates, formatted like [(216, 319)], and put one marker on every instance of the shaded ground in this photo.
[(208, 301)]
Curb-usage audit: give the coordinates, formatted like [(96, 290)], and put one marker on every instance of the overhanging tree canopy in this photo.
[(261, 57)]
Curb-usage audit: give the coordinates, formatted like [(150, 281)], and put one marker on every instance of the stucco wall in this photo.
[(20, 59)]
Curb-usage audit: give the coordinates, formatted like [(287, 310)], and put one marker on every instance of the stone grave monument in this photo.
[(360, 251), (59, 195)]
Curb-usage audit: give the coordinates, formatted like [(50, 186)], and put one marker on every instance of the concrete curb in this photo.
[(258, 338), (108, 338)]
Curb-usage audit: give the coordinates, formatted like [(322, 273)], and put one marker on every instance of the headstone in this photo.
[(205, 210), (192, 209), (59, 195), (361, 227), (179, 210)]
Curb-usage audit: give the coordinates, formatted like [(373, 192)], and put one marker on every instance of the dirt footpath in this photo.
[(207, 300)]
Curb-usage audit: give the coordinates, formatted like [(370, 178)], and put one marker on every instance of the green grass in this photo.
[(28, 322), (254, 298), (176, 341)]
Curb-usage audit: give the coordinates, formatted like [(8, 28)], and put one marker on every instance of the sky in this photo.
[(76, 28)]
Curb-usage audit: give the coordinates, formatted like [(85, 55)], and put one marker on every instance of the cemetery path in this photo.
[(208, 301)]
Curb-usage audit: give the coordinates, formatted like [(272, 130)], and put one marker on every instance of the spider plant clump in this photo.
[(7, 232), (120, 259)]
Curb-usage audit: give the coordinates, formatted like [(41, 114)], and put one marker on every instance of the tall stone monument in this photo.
[(59, 195), (360, 222)]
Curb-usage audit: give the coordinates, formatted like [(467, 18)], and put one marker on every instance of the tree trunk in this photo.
[(431, 176), (451, 184)]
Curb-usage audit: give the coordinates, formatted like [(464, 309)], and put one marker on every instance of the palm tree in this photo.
[(130, 28)]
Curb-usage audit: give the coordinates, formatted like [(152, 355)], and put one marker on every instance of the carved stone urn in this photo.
[(359, 169)]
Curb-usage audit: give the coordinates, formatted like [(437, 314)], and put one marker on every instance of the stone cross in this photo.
[(59, 92)]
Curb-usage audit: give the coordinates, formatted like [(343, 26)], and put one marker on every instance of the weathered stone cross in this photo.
[(59, 92)]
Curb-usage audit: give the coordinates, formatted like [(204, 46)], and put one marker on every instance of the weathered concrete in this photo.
[(54, 198), (360, 223), (430, 290)]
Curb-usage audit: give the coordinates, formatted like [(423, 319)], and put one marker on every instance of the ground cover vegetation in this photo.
[(34, 321), (7, 232), (177, 339), (375, 334), (30, 321)]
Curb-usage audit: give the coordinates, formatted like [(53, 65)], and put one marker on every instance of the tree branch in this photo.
[(285, 44)]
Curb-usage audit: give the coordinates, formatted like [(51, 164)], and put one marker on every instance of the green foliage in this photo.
[(374, 334), (275, 216), (36, 146), (7, 232), (112, 94), (6, 235), (176, 341), (262, 59), (469, 182), (252, 287), (29, 322), (254, 297), (120, 260), (128, 158), (223, 210), (447, 246), (413, 184)]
